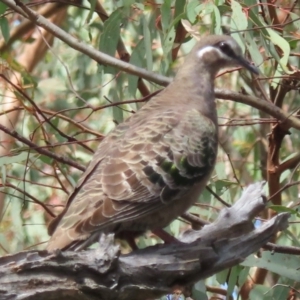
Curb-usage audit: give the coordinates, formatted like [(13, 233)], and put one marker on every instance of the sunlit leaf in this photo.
[(279, 41), (238, 22), (190, 10)]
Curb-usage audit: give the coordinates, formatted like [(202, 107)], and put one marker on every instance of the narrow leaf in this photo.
[(3, 8), (238, 22), (4, 29), (148, 44), (110, 37), (281, 264)]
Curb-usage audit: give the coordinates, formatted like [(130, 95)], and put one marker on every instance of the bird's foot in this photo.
[(131, 242)]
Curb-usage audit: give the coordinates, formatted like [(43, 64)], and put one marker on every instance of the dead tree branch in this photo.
[(104, 273)]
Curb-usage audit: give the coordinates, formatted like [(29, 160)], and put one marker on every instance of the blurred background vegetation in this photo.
[(56, 104)]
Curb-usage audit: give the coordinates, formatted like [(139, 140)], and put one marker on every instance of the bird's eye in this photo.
[(225, 48)]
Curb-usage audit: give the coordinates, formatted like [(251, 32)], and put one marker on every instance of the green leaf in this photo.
[(191, 13), (223, 184), (117, 110), (128, 3), (4, 29), (233, 277), (259, 292), (166, 15), (220, 169), (7, 160), (148, 43), (199, 291), (137, 59), (55, 122), (167, 27), (179, 8), (110, 37), (217, 20), (253, 4), (279, 208), (253, 17), (46, 159), (175, 228), (222, 276), (3, 174), (205, 8), (3, 8), (285, 175), (92, 10), (281, 264), (296, 20), (279, 41), (253, 49), (168, 41), (243, 274), (277, 292), (238, 22)]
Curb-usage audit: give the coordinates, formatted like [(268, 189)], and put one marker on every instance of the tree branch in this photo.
[(260, 104), (104, 273), (41, 150)]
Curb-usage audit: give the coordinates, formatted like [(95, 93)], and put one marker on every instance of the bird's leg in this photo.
[(131, 242), (166, 237)]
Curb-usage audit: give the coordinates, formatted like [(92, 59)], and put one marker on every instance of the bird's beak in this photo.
[(246, 64)]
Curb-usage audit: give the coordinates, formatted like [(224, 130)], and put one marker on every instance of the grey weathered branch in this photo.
[(104, 273)]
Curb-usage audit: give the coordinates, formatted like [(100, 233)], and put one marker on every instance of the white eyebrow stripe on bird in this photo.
[(209, 49)]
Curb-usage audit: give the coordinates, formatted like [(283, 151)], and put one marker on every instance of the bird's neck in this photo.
[(197, 84)]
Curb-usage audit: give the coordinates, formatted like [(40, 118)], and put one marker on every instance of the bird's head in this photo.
[(216, 52)]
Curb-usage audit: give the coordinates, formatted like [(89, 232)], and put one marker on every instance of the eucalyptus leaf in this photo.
[(3, 8), (110, 37), (191, 13), (148, 45), (137, 58), (282, 264), (92, 10), (23, 156), (233, 278), (4, 28), (238, 22)]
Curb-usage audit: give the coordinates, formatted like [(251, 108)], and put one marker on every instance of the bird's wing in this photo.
[(138, 168)]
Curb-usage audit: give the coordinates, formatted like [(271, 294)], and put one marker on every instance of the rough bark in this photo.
[(105, 273)]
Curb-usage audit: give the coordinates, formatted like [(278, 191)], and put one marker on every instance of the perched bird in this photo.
[(152, 168)]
